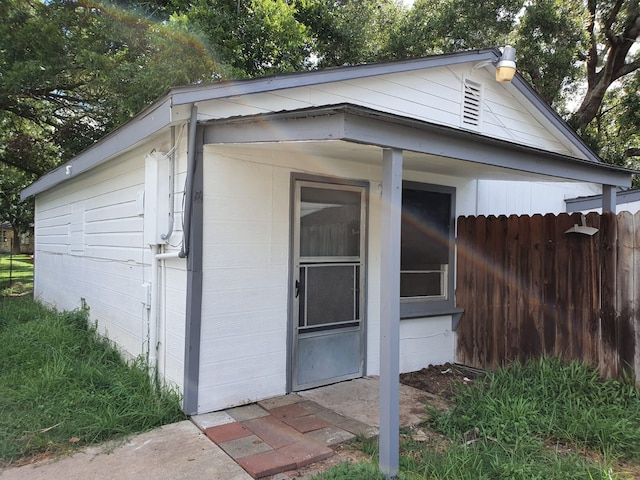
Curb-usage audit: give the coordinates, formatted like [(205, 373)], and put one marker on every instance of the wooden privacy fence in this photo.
[(530, 289)]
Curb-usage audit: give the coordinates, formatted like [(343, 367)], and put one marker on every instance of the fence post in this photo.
[(608, 284), (625, 301)]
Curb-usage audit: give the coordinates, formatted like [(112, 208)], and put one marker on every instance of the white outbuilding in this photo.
[(264, 236)]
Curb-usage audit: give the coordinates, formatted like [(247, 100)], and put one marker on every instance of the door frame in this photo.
[(291, 313)]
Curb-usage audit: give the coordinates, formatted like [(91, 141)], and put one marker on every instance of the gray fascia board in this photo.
[(187, 95), (145, 124), (369, 127)]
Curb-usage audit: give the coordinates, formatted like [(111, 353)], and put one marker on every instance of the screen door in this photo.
[(328, 275)]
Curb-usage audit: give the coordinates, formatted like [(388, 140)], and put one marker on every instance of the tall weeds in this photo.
[(62, 385), (549, 399)]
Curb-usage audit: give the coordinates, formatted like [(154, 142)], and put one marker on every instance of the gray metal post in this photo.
[(609, 198), (390, 312)]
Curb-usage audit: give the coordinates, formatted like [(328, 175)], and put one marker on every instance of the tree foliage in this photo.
[(72, 70), (349, 32), (251, 37)]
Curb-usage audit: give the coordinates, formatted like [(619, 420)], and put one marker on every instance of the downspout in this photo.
[(188, 193), (152, 347)]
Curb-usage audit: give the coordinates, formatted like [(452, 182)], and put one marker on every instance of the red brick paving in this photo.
[(282, 431), (289, 411), (266, 463), (274, 432), (227, 432), (305, 424), (305, 452)]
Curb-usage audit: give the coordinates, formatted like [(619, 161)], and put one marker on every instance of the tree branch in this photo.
[(632, 152), (592, 55)]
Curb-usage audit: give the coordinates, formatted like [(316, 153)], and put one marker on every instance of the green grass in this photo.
[(16, 274), (62, 386), (544, 419)]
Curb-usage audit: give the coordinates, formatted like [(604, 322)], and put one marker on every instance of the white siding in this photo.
[(90, 246), (432, 95)]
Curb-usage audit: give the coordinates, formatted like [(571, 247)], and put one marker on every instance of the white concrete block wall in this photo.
[(90, 246), (245, 270), (87, 249)]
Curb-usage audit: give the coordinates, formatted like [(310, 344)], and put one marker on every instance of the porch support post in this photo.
[(390, 312), (608, 198)]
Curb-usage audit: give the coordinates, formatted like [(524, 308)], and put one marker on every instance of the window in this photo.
[(427, 249)]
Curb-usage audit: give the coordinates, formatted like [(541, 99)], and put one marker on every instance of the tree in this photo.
[(20, 215), (250, 37), (349, 32), (72, 70), (613, 29), (444, 26), (550, 38), (615, 130)]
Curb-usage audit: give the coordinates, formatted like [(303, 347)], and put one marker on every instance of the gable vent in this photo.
[(472, 104)]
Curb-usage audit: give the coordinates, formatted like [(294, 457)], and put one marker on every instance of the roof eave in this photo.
[(148, 122), (191, 94)]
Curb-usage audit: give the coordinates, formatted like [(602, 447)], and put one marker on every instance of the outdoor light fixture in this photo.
[(506, 66), (582, 228)]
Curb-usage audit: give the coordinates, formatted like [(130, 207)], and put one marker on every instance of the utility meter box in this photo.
[(157, 198)]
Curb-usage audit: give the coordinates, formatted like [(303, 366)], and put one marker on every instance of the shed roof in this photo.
[(174, 108)]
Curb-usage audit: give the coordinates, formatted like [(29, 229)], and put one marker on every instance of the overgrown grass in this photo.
[(16, 274), (544, 419), (548, 399), (63, 386)]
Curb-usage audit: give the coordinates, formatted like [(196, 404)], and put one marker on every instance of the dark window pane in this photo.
[(422, 284), (329, 223), (425, 242)]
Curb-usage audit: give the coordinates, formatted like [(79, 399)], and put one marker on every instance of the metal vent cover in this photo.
[(471, 104)]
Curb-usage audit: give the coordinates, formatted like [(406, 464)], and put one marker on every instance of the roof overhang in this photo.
[(363, 126)]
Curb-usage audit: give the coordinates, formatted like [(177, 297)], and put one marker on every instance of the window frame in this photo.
[(424, 306)]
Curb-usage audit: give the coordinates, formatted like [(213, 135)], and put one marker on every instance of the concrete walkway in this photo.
[(173, 452), (266, 438)]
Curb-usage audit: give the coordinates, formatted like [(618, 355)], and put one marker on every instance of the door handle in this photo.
[(297, 288)]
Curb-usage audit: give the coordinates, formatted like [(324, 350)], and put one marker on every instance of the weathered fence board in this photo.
[(530, 289)]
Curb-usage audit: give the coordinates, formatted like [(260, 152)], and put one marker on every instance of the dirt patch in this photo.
[(441, 380)]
